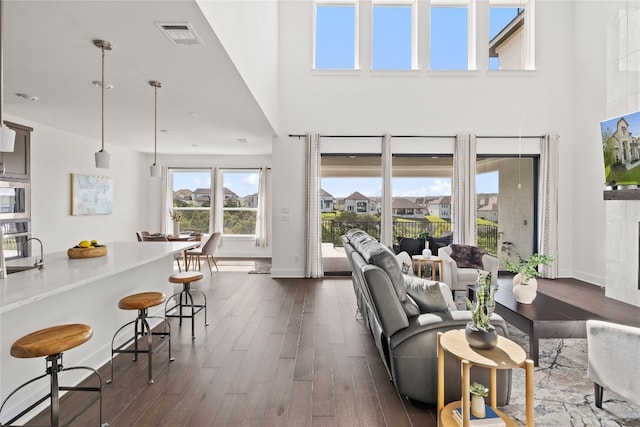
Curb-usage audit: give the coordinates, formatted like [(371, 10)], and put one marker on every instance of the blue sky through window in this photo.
[(391, 37), (449, 46), (499, 17), (335, 37)]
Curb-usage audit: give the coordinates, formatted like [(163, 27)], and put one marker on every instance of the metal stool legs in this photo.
[(54, 366), (185, 301), (141, 328)]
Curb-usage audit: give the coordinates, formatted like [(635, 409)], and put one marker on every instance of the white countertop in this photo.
[(61, 274)]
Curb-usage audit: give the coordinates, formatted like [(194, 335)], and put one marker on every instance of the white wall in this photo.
[(248, 30), (55, 155), (423, 103)]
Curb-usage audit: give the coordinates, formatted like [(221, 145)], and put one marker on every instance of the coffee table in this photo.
[(546, 317)]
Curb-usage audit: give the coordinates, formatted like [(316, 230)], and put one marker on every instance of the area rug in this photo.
[(261, 267), (564, 395)]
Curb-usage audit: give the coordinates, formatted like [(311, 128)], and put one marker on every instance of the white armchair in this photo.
[(459, 277), (610, 348)]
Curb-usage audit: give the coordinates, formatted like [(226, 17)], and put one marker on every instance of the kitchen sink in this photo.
[(18, 268)]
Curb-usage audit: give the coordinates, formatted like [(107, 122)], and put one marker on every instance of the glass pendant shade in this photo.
[(7, 139), (155, 171)]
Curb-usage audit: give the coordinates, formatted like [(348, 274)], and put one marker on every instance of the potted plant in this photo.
[(176, 216), (525, 285), (478, 393), (480, 333)]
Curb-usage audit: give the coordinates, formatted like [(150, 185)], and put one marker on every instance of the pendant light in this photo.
[(155, 170), (102, 157), (7, 136)]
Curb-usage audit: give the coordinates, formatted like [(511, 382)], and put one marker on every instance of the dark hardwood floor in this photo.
[(278, 352)]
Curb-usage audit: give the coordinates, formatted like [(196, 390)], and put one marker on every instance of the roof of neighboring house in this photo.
[(228, 192), (202, 191), (444, 200), (183, 193), (489, 207), (402, 203), (356, 196), (506, 33), (324, 194)]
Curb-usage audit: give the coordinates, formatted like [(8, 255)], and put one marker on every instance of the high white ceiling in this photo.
[(203, 103)]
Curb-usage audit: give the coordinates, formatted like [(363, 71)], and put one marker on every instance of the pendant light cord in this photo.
[(102, 87), (155, 124)]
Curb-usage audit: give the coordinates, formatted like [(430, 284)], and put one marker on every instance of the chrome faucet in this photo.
[(39, 262)]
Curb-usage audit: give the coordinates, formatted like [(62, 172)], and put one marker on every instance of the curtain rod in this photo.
[(423, 136), (374, 136)]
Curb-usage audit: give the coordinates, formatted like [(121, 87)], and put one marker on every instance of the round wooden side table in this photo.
[(505, 355)]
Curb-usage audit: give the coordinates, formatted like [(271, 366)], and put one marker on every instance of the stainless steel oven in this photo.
[(15, 200), (15, 234)]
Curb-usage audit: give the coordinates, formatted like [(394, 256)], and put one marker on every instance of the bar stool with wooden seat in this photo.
[(185, 299), (50, 343), (142, 302)]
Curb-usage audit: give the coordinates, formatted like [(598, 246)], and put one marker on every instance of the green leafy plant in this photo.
[(527, 267), (478, 389), (175, 215), (485, 304)]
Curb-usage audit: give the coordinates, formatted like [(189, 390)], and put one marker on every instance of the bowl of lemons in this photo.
[(87, 249)]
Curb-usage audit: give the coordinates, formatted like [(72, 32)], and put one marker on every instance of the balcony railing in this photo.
[(332, 230)]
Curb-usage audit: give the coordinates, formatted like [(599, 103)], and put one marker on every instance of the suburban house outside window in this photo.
[(394, 35), (511, 35), (452, 33), (335, 35), (240, 203)]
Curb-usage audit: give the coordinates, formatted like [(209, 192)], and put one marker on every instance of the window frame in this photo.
[(238, 209), (472, 49), (414, 31), (528, 33), (169, 195), (356, 29)]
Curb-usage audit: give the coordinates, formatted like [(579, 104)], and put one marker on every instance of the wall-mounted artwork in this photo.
[(621, 149), (91, 195)]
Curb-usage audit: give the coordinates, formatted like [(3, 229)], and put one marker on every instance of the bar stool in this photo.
[(141, 302), (185, 299), (50, 343)]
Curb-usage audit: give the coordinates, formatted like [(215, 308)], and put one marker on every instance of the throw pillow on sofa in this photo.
[(406, 265), (427, 294)]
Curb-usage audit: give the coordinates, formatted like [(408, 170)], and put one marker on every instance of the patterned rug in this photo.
[(564, 395), (261, 267)]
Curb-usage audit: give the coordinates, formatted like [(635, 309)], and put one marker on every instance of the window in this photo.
[(450, 37), (191, 196), (393, 37), (511, 42), (335, 36), (240, 202)]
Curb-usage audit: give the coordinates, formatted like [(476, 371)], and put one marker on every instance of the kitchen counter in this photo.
[(77, 291), (62, 274)]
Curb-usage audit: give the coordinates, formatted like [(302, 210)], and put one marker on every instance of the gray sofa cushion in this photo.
[(427, 294), (380, 256)]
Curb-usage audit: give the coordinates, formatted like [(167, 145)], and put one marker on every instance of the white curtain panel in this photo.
[(548, 244), (464, 188), (218, 200), (312, 230), (262, 220), (386, 237)]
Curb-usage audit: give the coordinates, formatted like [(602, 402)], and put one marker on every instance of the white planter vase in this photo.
[(524, 292), (477, 406), (176, 228)]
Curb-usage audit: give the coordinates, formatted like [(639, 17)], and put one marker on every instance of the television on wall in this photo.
[(621, 149)]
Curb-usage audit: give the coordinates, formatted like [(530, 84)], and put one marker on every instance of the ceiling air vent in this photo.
[(179, 33)]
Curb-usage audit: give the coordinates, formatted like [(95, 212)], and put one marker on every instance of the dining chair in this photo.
[(207, 250)]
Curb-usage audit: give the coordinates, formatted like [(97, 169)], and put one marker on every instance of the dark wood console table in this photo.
[(546, 317)]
